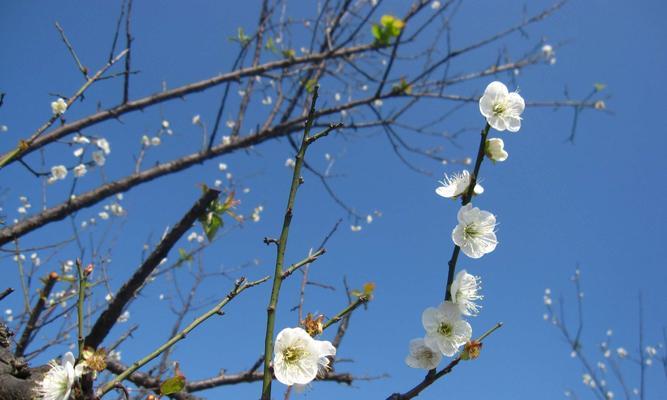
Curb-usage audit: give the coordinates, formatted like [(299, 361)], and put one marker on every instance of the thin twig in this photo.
[(83, 69), (239, 287), (31, 326)]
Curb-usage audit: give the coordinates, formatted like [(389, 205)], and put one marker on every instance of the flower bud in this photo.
[(494, 149)]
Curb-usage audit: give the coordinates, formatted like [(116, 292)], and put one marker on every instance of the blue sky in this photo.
[(599, 203)]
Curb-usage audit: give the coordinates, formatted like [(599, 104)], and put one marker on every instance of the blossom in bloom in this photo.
[(196, 120), (465, 291), (475, 233), (78, 152), (621, 352), (445, 330), (155, 141), (58, 172), (103, 145), (98, 157), (422, 356), (59, 106), (501, 108), (290, 163), (456, 185), (435, 5), (165, 124), (298, 357), (495, 150), (58, 381), (80, 170), (80, 139)]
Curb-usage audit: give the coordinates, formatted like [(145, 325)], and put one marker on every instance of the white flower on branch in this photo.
[(456, 185), (78, 152), (80, 170), (58, 381), (196, 120), (445, 330), (465, 291), (298, 357), (422, 356), (58, 172), (80, 139), (495, 150), (98, 157), (475, 233), (501, 108), (103, 145), (59, 106)]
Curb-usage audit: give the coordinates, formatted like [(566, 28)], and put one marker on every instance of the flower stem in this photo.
[(79, 305), (282, 244), (465, 199)]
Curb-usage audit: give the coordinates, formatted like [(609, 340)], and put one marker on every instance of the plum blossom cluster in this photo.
[(447, 332)]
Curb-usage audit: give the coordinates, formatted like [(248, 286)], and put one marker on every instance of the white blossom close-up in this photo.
[(422, 356), (456, 184), (475, 234), (298, 357), (58, 172), (501, 108), (495, 150), (445, 330), (58, 381), (103, 145), (59, 106), (465, 291), (98, 158), (80, 170)]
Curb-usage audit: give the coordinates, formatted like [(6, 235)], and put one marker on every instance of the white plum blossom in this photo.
[(456, 185), (495, 150), (103, 145), (80, 170), (422, 356), (80, 139), (103, 215), (155, 141), (78, 152), (98, 158), (58, 172), (59, 106), (196, 120), (57, 382), (145, 141), (475, 233), (222, 167), (501, 108), (464, 291), (435, 5), (124, 317), (298, 357), (165, 124), (445, 330), (621, 352), (290, 163)]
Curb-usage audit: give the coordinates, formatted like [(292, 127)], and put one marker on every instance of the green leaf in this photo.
[(377, 32), (270, 45), (213, 223), (289, 53), (310, 85), (172, 385), (184, 255)]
